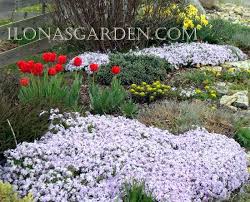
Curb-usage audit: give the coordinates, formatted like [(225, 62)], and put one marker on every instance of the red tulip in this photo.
[(52, 71), (37, 69), (24, 82), (116, 70), (23, 66), (93, 67), (77, 61), (52, 57), (62, 59), (59, 68), (46, 57)]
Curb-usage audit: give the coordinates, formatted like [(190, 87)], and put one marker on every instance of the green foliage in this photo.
[(136, 193), (7, 194), (52, 90), (225, 32), (107, 100), (25, 121), (135, 69), (9, 86), (243, 136), (129, 109)]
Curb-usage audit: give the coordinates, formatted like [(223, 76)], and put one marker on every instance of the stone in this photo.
[(222, 88), (242, 100), (209, 3), (237, 100), (241, 65), (198, 5)]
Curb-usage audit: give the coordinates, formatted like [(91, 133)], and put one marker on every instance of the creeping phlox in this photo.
[(91, 158), (83, 61)]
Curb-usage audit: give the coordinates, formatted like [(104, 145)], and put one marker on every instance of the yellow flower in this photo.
[(207, 87), (151, 97), (132, 90), (204, 20), (206, 81), (133, 85), (198, 27), (144, 83), (142, 94), (198, 91), (231, 70), (160, 91), (213, 95)]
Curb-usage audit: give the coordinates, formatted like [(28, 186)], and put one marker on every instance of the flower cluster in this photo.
[(191, 18), (84, 61), (193, 54), (149, 92), (90, 158), (37, 69), (207, 93)]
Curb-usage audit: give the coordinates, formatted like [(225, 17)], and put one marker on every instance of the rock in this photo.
[(242, 100), (198, 5), (209, 3), (222, 88), (237, 100), (241, 65)]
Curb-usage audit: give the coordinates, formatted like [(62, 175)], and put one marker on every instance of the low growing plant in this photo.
[(149, 92), (135, 192), (7, 194), (135, 69)]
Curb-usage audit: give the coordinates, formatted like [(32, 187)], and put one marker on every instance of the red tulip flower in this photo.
[(23, 66), (93, 67), (52, 57), (77, 61), (59, 68), (116, 70), (52, 71), (24, 82), (37, 69), (62, 59), (46, 57)]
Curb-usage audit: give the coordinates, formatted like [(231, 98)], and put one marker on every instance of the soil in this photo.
[(6, 45)]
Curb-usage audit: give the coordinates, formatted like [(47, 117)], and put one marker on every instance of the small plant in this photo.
[(110, 100), (129, 109), (7, 194), (243, 136), (149, 92), (135, 192), (107, 100), (135, 69)]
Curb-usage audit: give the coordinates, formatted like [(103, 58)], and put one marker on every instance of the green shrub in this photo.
[(25, 121), (136, 193), (7, 194), (225, 32), (134, 69), (52, 91), (107, 100)]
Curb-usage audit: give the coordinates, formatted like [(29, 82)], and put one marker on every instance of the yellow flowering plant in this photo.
[(149, 92)]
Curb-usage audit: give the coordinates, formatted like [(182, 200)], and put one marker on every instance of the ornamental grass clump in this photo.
[(93, 157)]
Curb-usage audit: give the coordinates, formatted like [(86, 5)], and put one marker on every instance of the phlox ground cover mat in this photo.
[(92, 158)]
